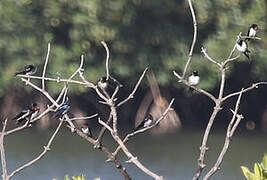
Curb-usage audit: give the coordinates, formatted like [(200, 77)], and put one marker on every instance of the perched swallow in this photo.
[(27, 114), (86, 130), (28, 70), (242, 46), (252, 30), (194, 78), (63, 109), (145, 123), (103, 83)]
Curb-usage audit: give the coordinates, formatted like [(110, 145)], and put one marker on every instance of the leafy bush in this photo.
[(260, 170)]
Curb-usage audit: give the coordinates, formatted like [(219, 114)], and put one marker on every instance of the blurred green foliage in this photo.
[(260, 170), (139, 33)]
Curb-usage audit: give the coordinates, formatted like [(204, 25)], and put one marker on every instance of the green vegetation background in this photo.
[(140, 33)]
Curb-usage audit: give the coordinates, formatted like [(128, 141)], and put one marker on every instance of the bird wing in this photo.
[(140, 125), (22, 115)]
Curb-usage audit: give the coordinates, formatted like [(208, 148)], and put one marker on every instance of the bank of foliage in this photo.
[(140, 33)]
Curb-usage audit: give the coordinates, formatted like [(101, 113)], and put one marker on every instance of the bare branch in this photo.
[(194, 38), (146, 128), (194, 87), (230, 60), (103, 149), (134, 90), (46, 149), (132, 159), (204, 147), (26, 125), (248, 37), (230, 130), (204, 51), (83, 118), (102, 131), (87, 83), (45, 65), (2, 151), (107, 58), (253, 86), (58, 80)]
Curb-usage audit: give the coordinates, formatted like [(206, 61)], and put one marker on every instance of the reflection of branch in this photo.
[(194, 38), (46, 149), (134, 90), (132, 159), (230, 131), (146, 128)]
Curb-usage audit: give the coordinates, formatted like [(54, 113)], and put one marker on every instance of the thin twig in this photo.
[(58, 80), (194, 38), (83, 118), (45, 65), (194, 87), (2, 150), (106, 151), (134, 90), (46, 149), (230, 130), (127, 137), (204, 51), (132, 159), (253, 86), (107, 59)]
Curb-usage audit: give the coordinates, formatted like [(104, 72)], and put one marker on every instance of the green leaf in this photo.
[(258, 170), (66, 177), (249, 175), (264, 162)]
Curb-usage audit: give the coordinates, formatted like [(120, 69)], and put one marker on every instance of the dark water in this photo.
[(173, 156)]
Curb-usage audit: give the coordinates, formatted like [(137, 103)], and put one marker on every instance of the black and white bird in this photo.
[(86, 130), (62, 110), (103, 83), (145, 123), (28, 70), (194, 78), (252, 30), (242, 46), (27, 114)]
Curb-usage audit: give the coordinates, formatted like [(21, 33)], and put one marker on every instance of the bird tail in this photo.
[(138, 127), (21, 72), (246, 53), (90, 133)]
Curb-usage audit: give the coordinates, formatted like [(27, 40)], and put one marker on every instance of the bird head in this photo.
[(103, 79), (255, 27), (195, 73), (239, 42), (34, 107), (85, 125), (149, 116)]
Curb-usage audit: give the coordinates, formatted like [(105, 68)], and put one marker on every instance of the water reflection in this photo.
[(173, 155)]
